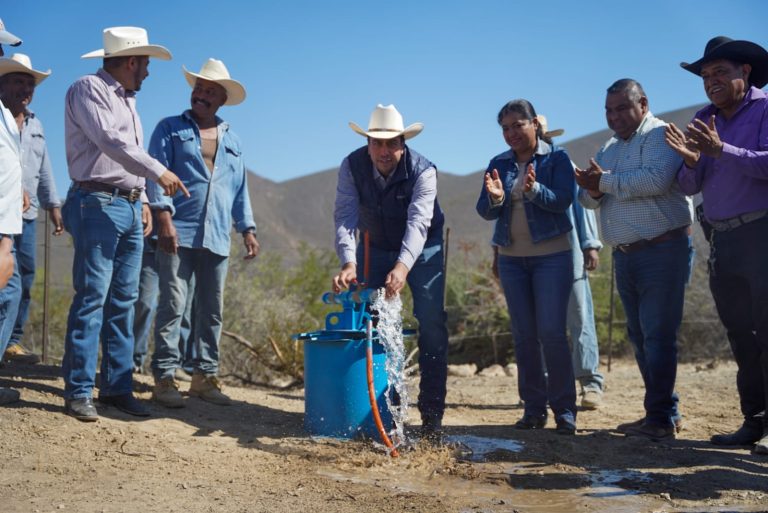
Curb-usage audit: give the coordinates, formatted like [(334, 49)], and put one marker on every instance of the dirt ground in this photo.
[(255, 457)]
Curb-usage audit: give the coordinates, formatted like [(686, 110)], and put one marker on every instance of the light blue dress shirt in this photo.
[(37, 176), (218, 200)]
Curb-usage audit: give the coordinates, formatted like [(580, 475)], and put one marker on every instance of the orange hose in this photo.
[(366, 256), (374, 406)]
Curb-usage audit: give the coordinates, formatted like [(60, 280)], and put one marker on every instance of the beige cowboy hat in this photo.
[(127, 41), (215, 71), (387, 123), (548, 133), (20, 63), (6, 38)]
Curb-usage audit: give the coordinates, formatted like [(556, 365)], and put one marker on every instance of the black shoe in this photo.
[(125, 403), (531, 422), (747, 434), (565, 427), (81, 409), (432, 430)]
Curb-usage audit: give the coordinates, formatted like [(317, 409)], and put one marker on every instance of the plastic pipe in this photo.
[(372, 394)]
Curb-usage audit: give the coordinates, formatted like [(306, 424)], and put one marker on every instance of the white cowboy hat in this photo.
[(215, 71), (387, 123), (127, 41), (551, 133), (6, 38), (20, 63)]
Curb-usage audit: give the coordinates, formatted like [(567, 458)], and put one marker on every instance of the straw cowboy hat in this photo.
[(215, 71), (387, 123), (6, 38), (552, 133), (20, 63), (722, 47), (127, 41)]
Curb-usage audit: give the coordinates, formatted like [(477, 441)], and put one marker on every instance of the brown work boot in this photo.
[(208, 389), (166, 392), (18, 354)]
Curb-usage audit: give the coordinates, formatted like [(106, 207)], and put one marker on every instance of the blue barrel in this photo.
[(336, 401)]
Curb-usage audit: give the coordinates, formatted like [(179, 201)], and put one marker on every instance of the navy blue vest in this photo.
[(384, 213)]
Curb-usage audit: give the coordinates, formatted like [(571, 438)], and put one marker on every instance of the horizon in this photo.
[(310, 68)]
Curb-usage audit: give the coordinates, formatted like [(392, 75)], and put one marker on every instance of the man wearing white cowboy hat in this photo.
[(389, 191), (10, 215), (193, 233), (725, 153), (18, 81), (105, 210)]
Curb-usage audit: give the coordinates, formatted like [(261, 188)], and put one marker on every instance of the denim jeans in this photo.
[(191, 275), (581, 327), (107, 234), (9, 301), (651, 283), (739, 284), (426, 281), (25, 245), (145, 309), (537, 290)]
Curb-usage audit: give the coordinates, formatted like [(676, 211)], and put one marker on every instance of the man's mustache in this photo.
[(204, 102)]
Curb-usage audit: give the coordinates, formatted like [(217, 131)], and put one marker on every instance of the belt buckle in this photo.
[(135, 194), (623, 247)]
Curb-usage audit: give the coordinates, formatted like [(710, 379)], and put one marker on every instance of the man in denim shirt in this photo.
[(18, 81), (193, 234)]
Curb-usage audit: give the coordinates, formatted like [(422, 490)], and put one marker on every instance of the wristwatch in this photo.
[(249, 230)]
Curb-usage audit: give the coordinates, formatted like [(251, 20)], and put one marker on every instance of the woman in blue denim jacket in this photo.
[(527, 191)]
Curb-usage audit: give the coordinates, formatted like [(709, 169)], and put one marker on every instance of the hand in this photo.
[(589, 179), (166, 232), (494, 187), (591, 259), (25, 202), (146, 219), (251, 245), (347, 276), (58, 222), (681, 145), (171, 184), (395, 280), (7, 262), (705, 137), (530, 179)]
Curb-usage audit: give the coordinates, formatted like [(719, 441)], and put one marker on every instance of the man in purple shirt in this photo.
[(725, 152), (389, 191), (105, 210)]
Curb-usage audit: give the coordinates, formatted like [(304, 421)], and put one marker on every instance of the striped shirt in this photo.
[(641, 197)]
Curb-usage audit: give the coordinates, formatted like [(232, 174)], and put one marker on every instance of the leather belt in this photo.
[(93, 186), (734, 222), (677, 233)]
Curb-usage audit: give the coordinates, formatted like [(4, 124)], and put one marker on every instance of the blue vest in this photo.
[(384, 213)]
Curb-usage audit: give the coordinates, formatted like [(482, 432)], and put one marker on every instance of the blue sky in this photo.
[(311, 66)]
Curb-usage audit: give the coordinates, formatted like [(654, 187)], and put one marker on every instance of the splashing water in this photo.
[(390, 331)]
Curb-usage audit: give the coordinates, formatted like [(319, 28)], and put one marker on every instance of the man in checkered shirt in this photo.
[(646, 218)]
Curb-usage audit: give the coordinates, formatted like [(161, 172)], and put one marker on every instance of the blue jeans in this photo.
[(426, 280), (739, 283), (25, 245), (9, 301), (651, 283), (580, 319), (107, 234), (537, 290), (191, 275), (144, 313)]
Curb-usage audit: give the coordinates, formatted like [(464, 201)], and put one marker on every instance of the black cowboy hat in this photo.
[(722, 47)]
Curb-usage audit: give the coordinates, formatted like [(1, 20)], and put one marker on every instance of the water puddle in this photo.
[(479, 449)]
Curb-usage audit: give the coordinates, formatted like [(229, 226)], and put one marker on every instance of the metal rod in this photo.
[(46, 284), (610, 318)]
